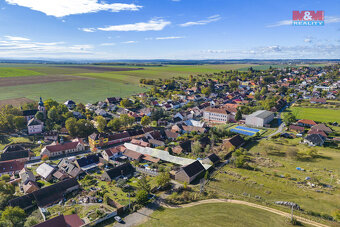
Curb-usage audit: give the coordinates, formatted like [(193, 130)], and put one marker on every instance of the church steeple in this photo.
[(41, 107), (41, 103)]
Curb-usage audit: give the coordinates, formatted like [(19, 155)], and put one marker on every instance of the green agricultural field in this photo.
[(15, 72), (277, 178), (99, 82), (317, 114), (215, 214), (86, 91)]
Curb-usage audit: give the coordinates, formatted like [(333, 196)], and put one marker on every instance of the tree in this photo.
[(44, 158), (49, 103), (196, 147), (71, 126), (163, 179), (125, 120), (143, 184), (5, 177), (15, 215), (233, 85), (6, 223), (145, 121), (257, 95), (114, 124), (84, 128), (206, 91), (101, 123), (39, 115), (238, 115), (31, 221), (125, 103), (263, 91), (7, 189), (288, 118), (53, 114), (19, 122), (142, 197)]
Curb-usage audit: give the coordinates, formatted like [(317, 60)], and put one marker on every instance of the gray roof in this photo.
[(261, 114)]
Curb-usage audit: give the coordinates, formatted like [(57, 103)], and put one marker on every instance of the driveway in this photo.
[(139, 217)]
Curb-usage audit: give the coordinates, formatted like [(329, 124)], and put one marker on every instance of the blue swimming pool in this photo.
[(242, 132), (248, 129)]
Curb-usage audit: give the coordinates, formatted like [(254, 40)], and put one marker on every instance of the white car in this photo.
[(118, 219)]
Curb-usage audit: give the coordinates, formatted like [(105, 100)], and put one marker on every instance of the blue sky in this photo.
[(167, 29)]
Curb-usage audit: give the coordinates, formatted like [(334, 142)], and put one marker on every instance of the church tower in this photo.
[(41, 107)]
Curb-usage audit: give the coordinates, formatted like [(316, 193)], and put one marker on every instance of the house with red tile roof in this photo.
[(306, 123), (72, 220), (56, 149), (11, 167)]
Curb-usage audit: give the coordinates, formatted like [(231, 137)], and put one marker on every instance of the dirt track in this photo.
[(272, 210), (24, 80)]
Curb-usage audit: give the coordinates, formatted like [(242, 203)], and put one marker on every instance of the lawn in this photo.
[(316, 114), (215, 214), (279, 180), (8, 140)]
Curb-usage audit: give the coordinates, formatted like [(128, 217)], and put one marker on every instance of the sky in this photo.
[(166, 29)]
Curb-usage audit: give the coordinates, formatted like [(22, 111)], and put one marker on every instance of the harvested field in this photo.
[(15, 102), (102, 69), (14, 81)]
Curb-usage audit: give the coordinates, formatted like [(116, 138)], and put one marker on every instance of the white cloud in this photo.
[(61, 8), (307, 40), (15, 46), (129, 42), (107, 44), (331, 19), (16, 38), (87, 29), (169, 37), (202, 22), (280, 23), (151, 25), (328, 20)]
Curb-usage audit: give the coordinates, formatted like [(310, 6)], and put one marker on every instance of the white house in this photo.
[(56, 149), (35, 126)]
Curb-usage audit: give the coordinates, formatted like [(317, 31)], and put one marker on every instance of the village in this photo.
[(86, 164)]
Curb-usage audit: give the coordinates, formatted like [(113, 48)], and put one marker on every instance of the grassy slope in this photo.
[(271, 188), (316, 114), (215, 214)]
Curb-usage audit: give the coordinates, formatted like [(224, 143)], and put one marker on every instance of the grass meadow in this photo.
[(215, 214), (316, 114), (277, 178)]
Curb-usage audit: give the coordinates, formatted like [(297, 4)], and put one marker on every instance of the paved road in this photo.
[(272, 210), (139, 216), (279, 130)]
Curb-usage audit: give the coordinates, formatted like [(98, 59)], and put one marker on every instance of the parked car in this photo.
[(118, 219)]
